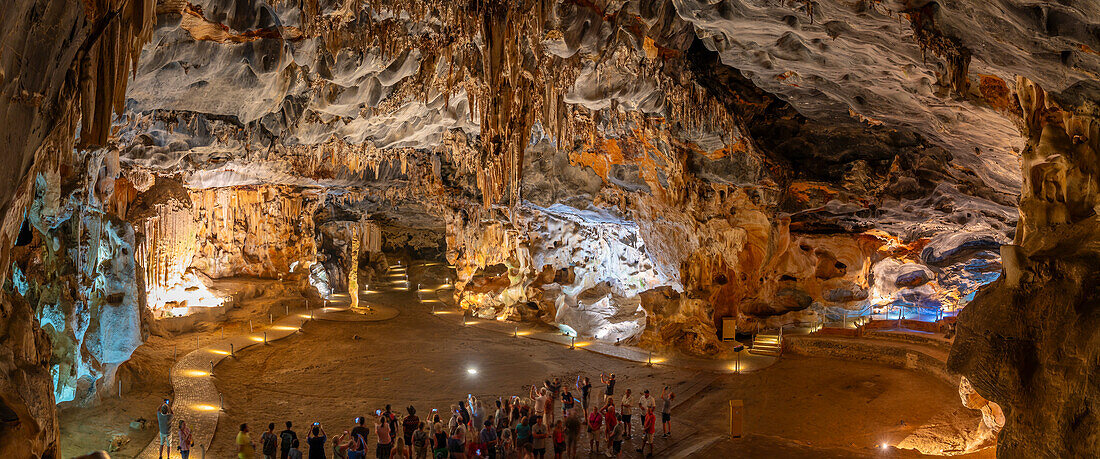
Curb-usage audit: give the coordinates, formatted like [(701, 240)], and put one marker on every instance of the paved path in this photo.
[(197, 400)]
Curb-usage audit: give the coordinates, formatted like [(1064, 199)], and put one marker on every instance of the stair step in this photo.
[(771, 353)]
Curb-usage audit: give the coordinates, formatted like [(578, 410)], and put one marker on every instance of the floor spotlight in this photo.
[(471, 371)]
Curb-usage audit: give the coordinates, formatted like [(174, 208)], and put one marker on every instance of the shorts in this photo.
[(383, 451), (665, 417), (559, 447), (626, 418), (617, 446), (357, 455), (165, 438)]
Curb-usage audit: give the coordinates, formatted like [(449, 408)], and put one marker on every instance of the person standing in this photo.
[(246, 448), (382, 429), (649, 430), (558, 436), (523, 433), (269, 442), (288, 438), (539, 434), (185, 440), (409, 425), (595, 420), (609, 391), (361, 433), (420, 441), (625, 408), (164, 424), (646, 402), (615, 439), (567, 402), (294, 452), (572, 432), (666, 411), (584, 386), (316, 439), (489, 440), (439, 441)]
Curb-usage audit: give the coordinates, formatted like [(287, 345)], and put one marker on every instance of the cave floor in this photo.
[(335, 371)]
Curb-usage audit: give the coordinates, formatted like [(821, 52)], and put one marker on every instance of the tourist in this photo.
[(342, 446), (523, 432), (477, 414), (500, 412), (584, 386), (558, 436), (456, 444), (361, 433), (185, 440), (294, 452), (646, 402), (610, 420), (488, 439), (391, 419), (382, 429), (666, 411), (648, 431), (527, 452), (316, 439), (269, 442), (567, 402), (609, 380), (539, 434), (439, 441), (540, 399), (409, 425), (400, 449), (420, 441), (245, 447), (288, 438), (595, 420), (456, 419), (572, 432), (357, 446), (507, 444), (615, 439), (463, 413), (553, 388), (164, 423), (625, 407)]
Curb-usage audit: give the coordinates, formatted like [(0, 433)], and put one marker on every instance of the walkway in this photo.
[(197, 400)]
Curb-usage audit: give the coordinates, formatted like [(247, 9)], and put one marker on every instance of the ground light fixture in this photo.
[(471, 371)]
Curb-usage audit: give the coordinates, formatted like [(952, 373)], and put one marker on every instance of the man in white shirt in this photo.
[(540, 398), (646, 401), (626, 406)]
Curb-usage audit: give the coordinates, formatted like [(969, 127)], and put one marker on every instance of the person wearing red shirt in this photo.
[(650, 427)]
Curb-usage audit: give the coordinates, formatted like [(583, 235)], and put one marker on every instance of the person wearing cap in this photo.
[(646, 402), (164, 422)]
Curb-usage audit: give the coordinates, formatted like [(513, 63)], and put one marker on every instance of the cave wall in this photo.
[(1029, 341)]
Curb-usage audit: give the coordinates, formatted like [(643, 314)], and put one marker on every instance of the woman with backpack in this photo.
[(269, 443), (420, 442)]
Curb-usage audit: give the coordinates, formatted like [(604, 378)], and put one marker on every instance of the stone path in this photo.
[(197, 400)]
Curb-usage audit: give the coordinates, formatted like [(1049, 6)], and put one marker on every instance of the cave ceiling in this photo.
[(844, 115)]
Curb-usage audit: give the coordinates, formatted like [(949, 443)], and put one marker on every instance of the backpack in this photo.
[(287, 437), (270, 443), (420, 437)]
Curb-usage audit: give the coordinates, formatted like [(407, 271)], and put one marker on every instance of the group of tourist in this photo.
[(515, 427)]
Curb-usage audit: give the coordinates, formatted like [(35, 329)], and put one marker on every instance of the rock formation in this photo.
[(630, 170), (1028, 342)]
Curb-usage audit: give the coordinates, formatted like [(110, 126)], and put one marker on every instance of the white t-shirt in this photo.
[(627, 405), (540, 403), (647, 402)]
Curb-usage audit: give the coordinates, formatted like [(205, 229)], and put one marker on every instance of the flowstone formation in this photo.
[(1029, 342), (635, 171)]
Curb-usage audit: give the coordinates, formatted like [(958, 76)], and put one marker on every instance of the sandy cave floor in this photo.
[(335, 371)]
